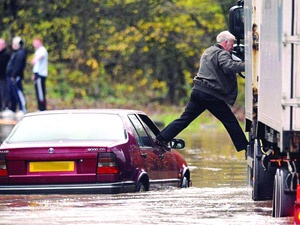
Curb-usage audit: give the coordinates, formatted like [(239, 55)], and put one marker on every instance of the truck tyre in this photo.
[(262, 179), (283, 201)]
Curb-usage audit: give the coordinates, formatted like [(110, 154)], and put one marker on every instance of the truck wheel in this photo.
[(262, 179), (283, 202)]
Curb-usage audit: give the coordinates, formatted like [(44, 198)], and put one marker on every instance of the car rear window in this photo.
[(59, 127)]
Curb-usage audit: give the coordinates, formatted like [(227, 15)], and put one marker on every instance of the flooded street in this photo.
[(173, 206), (219, 195)]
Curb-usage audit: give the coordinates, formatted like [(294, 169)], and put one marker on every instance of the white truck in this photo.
[(268, 39)]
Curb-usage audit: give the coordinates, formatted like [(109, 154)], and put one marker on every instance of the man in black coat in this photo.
[(4, 58), (15, 74)]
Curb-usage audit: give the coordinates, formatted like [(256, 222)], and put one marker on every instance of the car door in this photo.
[(153, 158), (161, 164), (170, 168)]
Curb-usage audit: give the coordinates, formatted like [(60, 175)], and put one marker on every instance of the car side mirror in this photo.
[(177, 143), (236, 21)]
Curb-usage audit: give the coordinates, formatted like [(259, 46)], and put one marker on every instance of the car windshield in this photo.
[(60, 127)]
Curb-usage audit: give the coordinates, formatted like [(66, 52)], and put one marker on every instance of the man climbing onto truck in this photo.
[(215, 88)]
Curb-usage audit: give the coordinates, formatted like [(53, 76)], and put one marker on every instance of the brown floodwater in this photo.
[(219, 195)]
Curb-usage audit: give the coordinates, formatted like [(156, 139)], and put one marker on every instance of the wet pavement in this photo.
[(219, 195)]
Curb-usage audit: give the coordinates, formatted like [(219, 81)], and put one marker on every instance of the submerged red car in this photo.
[(88, 151)]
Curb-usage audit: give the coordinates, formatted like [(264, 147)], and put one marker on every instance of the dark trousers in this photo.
[(40, 91), (3, 94), (17, 97), (198, 103)]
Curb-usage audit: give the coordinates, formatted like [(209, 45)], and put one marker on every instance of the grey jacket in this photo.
[(217, 74)]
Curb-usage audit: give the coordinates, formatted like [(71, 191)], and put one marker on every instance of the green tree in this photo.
[(118, 49)]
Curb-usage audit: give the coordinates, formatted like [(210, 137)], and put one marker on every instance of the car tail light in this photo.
[(3, 168), (298, 193), (297, 206), (107, 163), (297, 215)]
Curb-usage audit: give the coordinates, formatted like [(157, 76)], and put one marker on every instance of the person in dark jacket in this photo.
[(215, 89), (4, 58), (15, 75)]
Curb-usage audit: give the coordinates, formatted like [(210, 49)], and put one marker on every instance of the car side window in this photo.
[(143, 138), (150, 126)]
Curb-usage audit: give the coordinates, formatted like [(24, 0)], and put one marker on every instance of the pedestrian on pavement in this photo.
[(215, 89), (15, 75), (40, 72), (4, 58)]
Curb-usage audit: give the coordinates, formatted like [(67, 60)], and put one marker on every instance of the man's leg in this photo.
[(44, 103), (223, 112), (20, 95), (12, 95), (2, 95), (192, 110), (40, 92)]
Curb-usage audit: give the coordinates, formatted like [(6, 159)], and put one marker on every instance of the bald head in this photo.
[(2, 44), (17, 43)]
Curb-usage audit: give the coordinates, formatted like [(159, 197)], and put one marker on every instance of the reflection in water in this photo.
[(214, 160), (219, 195)]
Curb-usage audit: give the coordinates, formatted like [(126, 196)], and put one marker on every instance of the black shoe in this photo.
[(162, 145)]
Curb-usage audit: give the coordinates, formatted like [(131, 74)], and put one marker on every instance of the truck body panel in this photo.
[(250, 59), (271, 67)]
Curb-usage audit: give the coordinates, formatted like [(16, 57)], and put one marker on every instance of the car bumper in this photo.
[(103, 188)]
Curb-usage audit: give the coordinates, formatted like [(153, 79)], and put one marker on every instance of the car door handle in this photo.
[(161, 156), (144, 155)]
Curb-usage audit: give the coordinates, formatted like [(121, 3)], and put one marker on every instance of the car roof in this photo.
[(87, 111)]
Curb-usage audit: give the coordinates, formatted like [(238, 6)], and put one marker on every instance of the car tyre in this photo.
[(184, 182)]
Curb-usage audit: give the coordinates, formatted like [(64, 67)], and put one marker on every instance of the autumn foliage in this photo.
[(117, 50)]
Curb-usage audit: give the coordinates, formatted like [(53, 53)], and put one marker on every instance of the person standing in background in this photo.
[(15, 75), (40, 72), (4, 58)]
